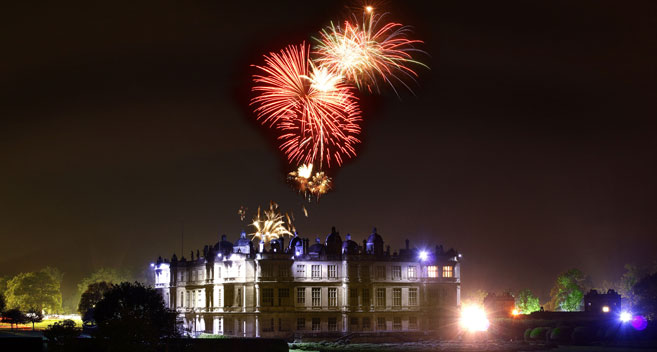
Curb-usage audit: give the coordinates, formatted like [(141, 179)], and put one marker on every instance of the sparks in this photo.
[(316, 115), (272, 225), (366, 51)]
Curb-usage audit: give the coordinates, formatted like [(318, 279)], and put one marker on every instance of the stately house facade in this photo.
[(333, 287)]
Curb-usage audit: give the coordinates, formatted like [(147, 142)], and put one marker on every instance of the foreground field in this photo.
[(37, 326)]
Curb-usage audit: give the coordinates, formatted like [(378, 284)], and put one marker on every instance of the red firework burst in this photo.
[(316, 114)]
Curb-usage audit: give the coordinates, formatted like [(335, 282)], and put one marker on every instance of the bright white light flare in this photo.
[(473, 319)]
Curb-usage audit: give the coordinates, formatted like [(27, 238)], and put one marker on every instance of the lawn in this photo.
[(38, 326)]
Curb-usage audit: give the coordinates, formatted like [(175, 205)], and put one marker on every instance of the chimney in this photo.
[(407, 244), (282, 239)]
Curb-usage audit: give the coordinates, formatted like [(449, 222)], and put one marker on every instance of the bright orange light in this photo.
[(515, 312), (605, 309), (369, 8)]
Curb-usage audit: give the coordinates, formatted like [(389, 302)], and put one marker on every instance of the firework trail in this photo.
[(368, 50), (316, 114)]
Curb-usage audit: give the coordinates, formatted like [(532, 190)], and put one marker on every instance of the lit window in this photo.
[(316, 326), (380, 297), (381, 323), (396, 323), (332, 271), (605, 309), (412, 272), (219, 298), (301, 323), (396, 272), (333, 297), (332, 324), (380, 272), (448, 271), (412, 296), (268, 297), (317, 296), (301, 270), (432, 271), (301, 295), (316, 271), (412, 323), (396, 297)]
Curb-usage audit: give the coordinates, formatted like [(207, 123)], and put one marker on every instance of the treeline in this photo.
[(637, 287), (41, 291)]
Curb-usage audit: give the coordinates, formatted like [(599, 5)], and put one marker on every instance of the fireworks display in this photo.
[(368, 50), (316, 114), (308, 98), (308, 184), (271, 224)]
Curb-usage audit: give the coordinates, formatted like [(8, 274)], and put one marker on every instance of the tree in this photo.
[(34, 316), (526, 302), (646, 296), (14, 317), (133, 316), (108, 275), (568, 291), (40, 290), (626, 284), (90, 297)]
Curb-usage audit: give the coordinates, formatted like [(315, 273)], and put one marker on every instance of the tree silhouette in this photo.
[(108, 275), (90, 297), (132, 316), (61, 333), (34, 316), (14, 317), (3, 303), (646, 294)]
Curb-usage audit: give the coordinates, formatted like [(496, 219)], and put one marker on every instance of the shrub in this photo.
[(561, 334), (211, 336), (62, 332), (539, 334), (527, 333)]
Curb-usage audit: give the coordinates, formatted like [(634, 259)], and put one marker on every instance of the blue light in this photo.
[(423, 255)]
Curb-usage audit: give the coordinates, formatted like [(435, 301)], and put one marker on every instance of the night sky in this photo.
[(530, 146)]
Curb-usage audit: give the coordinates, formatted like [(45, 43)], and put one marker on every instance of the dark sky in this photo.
[(530, 145)]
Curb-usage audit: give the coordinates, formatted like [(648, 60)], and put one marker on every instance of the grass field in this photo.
[(38, 326)]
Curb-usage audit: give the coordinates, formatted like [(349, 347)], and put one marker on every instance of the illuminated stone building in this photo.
[(332, 287)]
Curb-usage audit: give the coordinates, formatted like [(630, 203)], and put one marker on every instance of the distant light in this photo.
[(369, 8), (473, 319), (515, 312), (152, 265), (423, 255), (460, 255), (625, 317), (219, 255), (605, 309)]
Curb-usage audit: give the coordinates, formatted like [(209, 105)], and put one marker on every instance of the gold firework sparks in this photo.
[(271, 224)]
